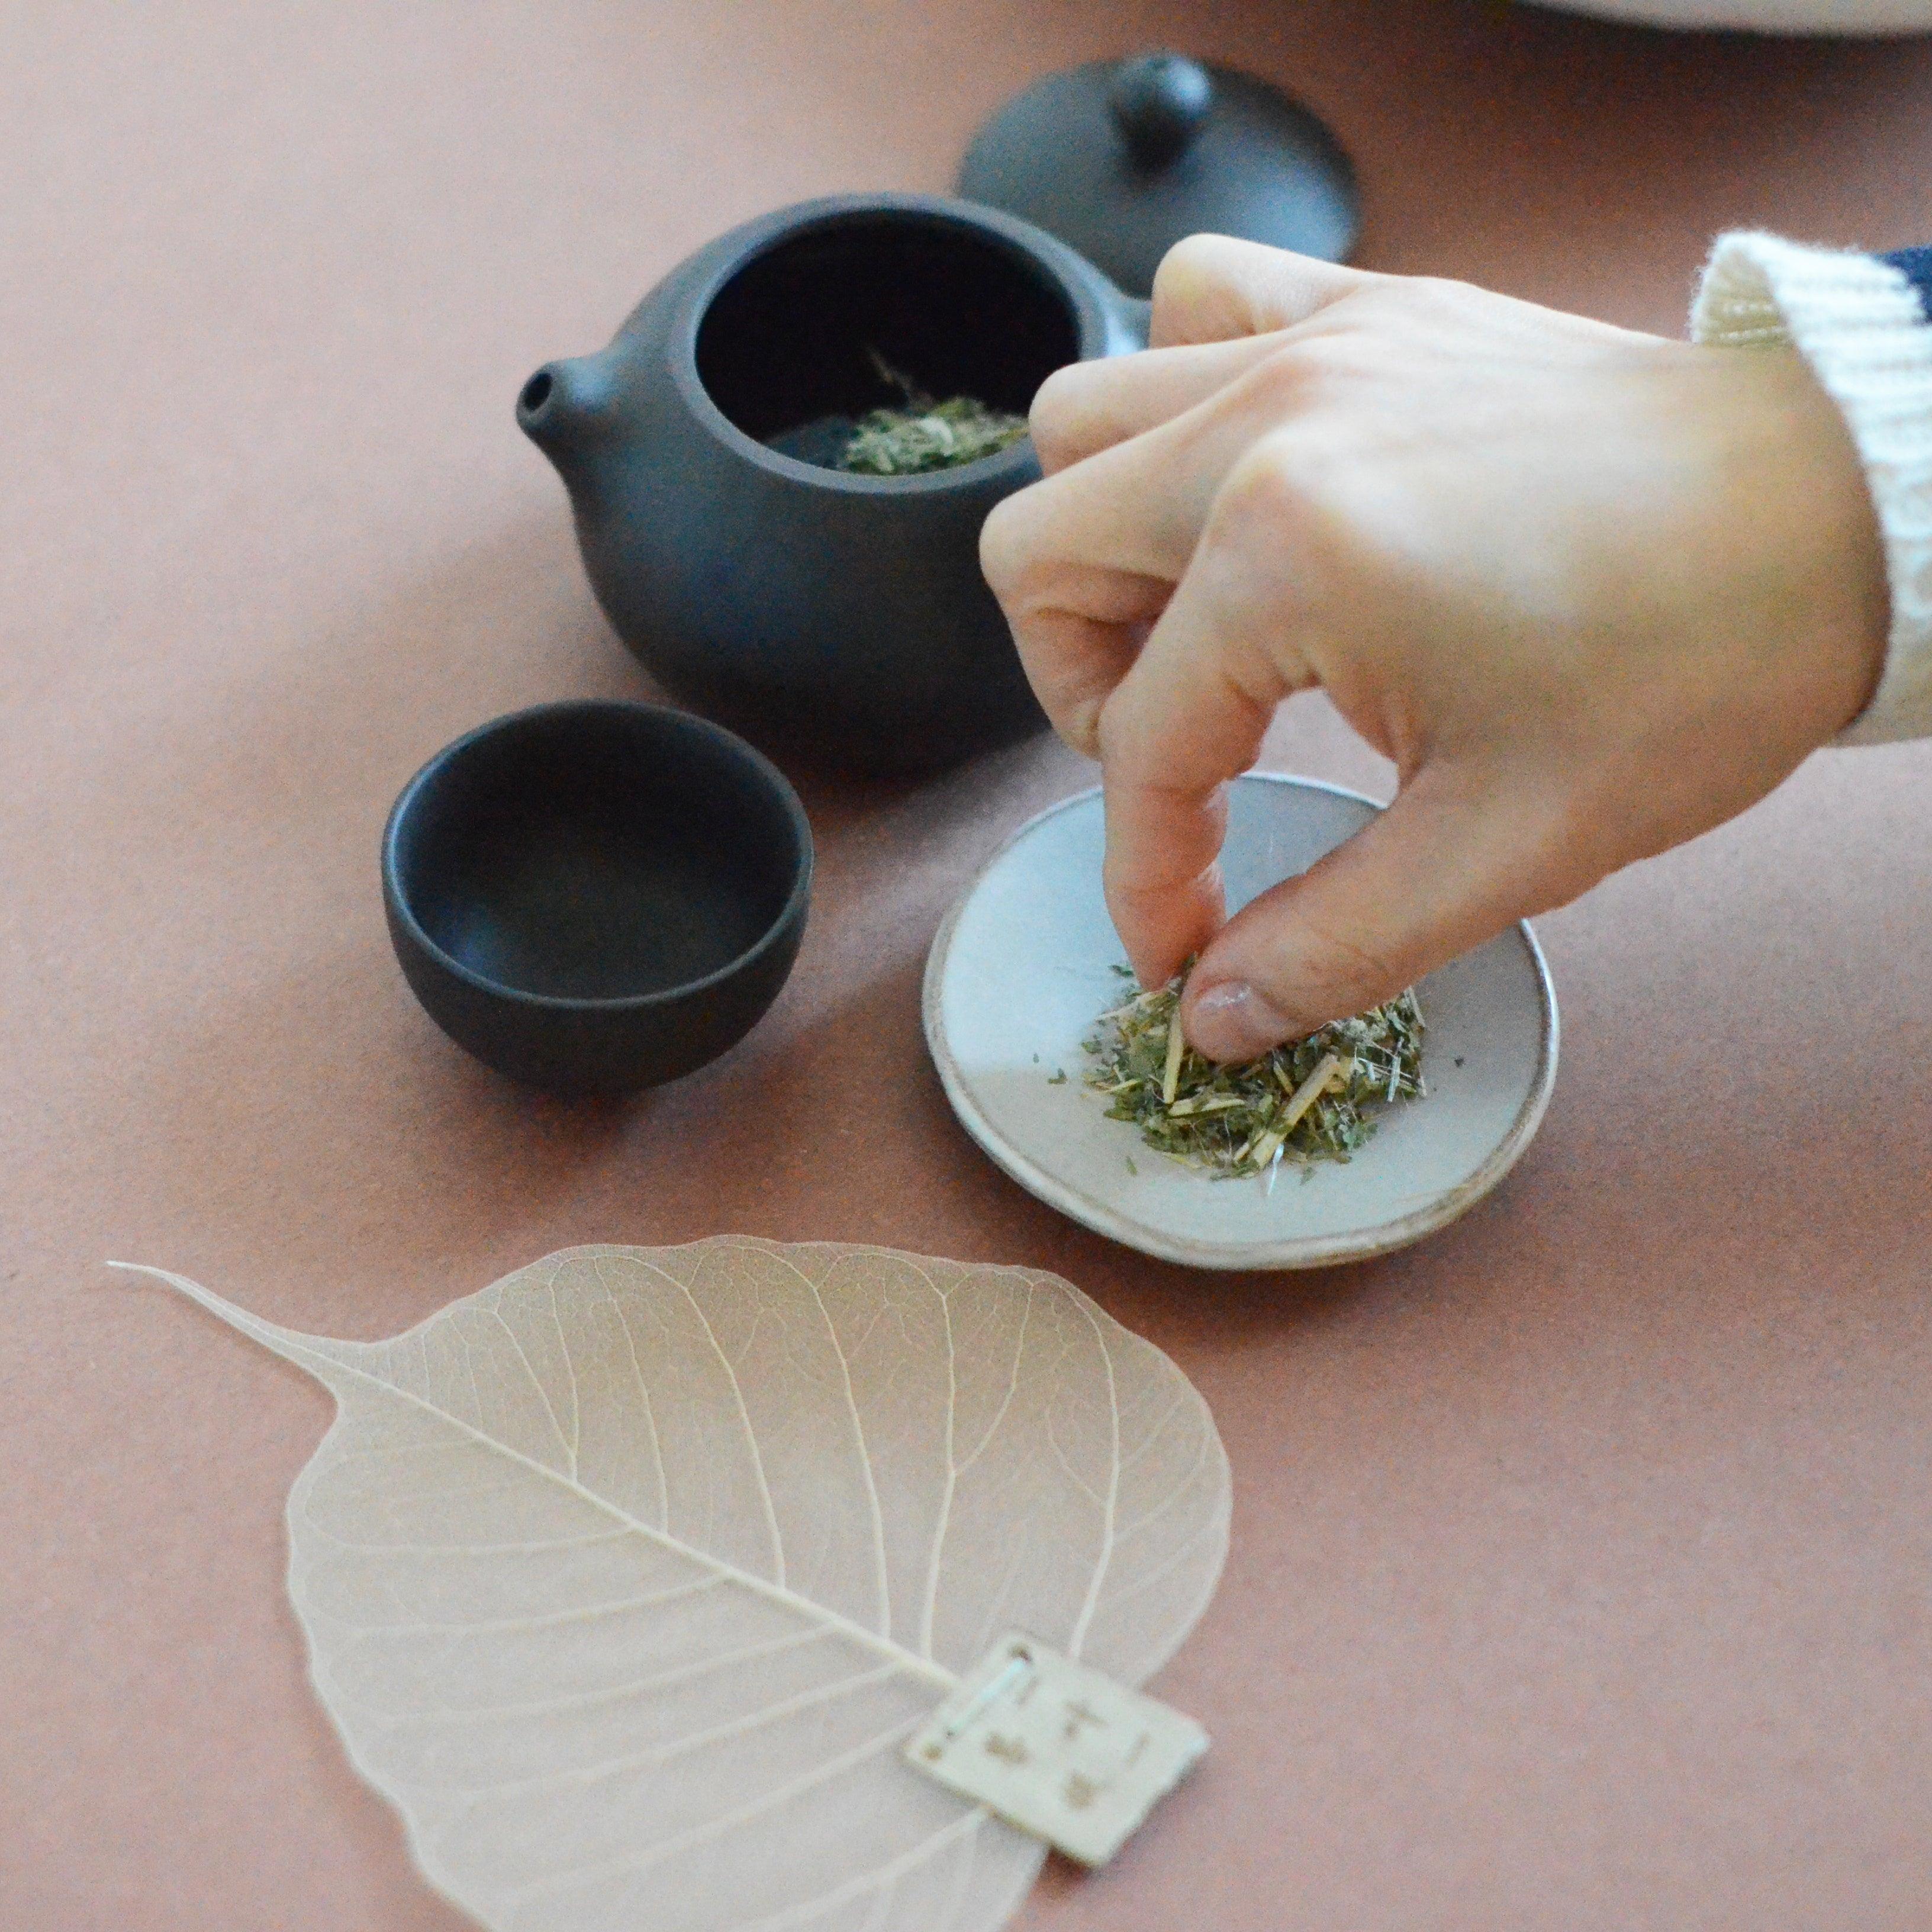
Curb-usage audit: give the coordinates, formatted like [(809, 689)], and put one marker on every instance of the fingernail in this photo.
[(1232, 1022)]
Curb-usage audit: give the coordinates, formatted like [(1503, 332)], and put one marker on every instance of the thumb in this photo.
[(1441, 871)]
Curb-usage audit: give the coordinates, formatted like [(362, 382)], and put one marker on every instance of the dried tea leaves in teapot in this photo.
[(920, 433), (912, 437), (1308, 1101), (924, 435)]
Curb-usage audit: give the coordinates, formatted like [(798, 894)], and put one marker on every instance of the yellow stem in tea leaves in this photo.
[(1176, 1045), (1310, 1091)]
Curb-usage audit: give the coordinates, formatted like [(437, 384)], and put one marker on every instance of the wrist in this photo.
[(1829, 545), (1858, 322)]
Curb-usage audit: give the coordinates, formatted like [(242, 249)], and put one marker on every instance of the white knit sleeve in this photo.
[(1859, 324)]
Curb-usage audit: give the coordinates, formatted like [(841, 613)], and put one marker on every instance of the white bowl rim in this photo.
[(1303, 1251)]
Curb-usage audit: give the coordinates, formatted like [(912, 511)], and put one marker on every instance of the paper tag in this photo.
[(1057, 1749)]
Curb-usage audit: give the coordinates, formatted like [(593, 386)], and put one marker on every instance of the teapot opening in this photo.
[(860, 312)]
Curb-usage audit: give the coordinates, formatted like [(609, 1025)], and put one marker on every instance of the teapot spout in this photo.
[(566, 408)]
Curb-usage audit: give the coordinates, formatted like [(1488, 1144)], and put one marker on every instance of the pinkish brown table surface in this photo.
[(1580, 1564)]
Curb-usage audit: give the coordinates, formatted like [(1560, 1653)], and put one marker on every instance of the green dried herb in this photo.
[(924, 434), (1311, 1100), (907, 439)]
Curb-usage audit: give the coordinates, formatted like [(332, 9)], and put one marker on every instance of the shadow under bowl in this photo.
[(595, 897)]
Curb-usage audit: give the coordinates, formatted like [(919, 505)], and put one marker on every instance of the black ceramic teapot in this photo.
[(840, 614)]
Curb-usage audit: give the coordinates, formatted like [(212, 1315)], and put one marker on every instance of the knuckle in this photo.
[(1079, 724), (1429, 299), (1197, 266), (1113, 732), (1426, 291), (1279, 483), (1005, 546), (1283, 381), (1128, 737), (1325, 371), (1287, 510), (1064, 402), (1193, 257)]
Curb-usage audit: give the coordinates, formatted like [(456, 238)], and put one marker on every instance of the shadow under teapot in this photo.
[(838, 615)]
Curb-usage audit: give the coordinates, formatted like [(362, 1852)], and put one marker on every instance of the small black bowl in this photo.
[(596, 897)]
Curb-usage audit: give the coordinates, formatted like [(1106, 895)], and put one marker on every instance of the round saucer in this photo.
[(1026, 961)]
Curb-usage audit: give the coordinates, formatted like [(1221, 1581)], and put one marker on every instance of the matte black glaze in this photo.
[(594, 897), (1122, 159), (840, 615)]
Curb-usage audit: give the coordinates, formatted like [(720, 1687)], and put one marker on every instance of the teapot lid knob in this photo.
[(1121, 159), (1160, 102)]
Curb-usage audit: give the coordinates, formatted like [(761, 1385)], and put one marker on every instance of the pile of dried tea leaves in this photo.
[(1311, 1100), (924, 435)]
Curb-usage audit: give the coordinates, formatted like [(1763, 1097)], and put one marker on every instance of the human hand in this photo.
[(1593, 591)]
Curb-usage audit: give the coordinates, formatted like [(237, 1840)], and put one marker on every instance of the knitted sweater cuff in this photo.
[(1858, 323)]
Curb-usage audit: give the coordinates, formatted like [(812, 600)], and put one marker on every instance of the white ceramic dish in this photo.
[(1023, 964)]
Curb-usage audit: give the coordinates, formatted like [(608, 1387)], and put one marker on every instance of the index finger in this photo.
[(1083, 561), (1189, 715)]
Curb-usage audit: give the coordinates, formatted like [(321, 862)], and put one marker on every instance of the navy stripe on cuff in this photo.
[(1915, 265)]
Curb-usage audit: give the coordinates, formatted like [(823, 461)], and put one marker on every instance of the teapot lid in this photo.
[(1122, 159)]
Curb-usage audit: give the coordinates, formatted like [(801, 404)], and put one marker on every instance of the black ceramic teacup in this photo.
[(596, 897), (827, 612)]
